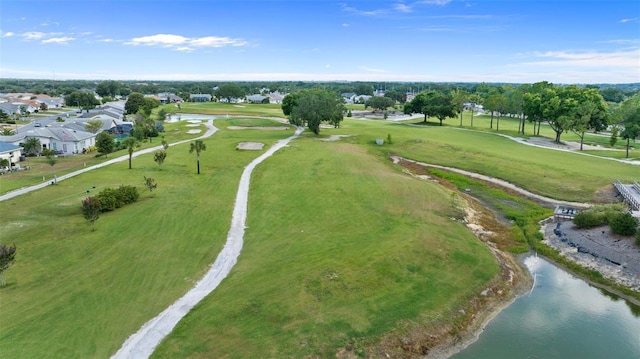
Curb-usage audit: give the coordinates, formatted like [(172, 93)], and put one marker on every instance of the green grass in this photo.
[(222, 108), (341, 248), (75, 293)]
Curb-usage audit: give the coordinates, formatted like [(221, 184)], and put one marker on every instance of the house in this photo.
[(167, 97), (361, 98), (348, 96), (256, 98), (276, 97), (65, 141), (10, 152), (200, 97)]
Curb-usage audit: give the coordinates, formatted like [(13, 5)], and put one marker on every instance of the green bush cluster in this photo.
[(624, 224), (598, 215), (112, 198)]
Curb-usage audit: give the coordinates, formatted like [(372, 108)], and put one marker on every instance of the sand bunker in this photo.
[(193, 125), (249, 146), (278, 128), (334, 137), (193, 132)]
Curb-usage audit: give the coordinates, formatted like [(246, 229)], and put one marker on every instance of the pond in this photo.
[(562, 316)]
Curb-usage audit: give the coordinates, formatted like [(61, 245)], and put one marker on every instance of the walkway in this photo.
[(143, 343)]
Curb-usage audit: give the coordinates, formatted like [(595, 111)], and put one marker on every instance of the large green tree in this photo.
[(197, 146), (288, 102), (417, 105), (629, 115), (134, 102), (439, 105), (316, 106), (379, 103), (83, 99), (104, 143), (460, 98), (589, 112), (108, 88), (230, 92)]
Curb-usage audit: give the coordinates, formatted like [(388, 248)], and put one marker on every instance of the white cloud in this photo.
[(634, 19), (402, 7), (58, 40), (33, 35), (345, 25), (435, 2), (622, 58), (182, 43), (6, 34)]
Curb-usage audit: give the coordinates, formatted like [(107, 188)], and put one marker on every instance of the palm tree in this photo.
[(131, 143), (32, 145), (197, 146)]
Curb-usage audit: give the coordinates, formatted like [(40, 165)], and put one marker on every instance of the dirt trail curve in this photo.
[(211, 129), (143, 343)]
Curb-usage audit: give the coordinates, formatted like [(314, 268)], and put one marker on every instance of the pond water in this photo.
[(190, 117), (561, 317)]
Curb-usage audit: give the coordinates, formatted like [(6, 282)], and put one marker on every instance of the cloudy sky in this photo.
[(561, 41)]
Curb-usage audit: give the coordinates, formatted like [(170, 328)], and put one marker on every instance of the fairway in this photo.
[(342, 248)]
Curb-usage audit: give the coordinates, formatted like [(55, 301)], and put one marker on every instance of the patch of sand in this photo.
[(193, 132), (272, 128), (334, 137), (193, 125), (249, 146)]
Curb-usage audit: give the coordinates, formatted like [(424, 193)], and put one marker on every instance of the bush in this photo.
[(112, 198), (589, 219), (624, 224)]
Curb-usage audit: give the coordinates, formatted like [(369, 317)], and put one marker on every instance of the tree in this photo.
[(417, 105), (148, 106), (50, 155), (131, 143), (624, 224), (6, 132), (7, 257), (91, 208), (43, 106), (150, 183), (495, 102), (108, 88), (134, 102), (364, 89), (93, 126), (380, 103), (439, 105), (629, 115), (316, 106), (590, 113), (230, 91), (159, 157), (474, 101), (104, 143), (288, 102), (459, 98), (397, 96), (83, 99), (197, 146), (32, 146)]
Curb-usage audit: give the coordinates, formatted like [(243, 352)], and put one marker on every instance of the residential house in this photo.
[(167, 97), (276, 97), (10, 152), (256, 98), (348, 97), (200, 97), (65, 141)]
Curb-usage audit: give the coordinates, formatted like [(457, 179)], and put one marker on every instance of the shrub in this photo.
[(128, 194), (589, 219), (624, 224), (112, 198)]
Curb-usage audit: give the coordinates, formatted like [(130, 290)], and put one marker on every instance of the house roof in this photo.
[(8, 147)]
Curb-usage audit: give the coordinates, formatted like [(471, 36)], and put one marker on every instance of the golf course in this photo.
[(345, 253)]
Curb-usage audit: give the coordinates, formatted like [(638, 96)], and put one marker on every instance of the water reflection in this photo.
[(561, 317)]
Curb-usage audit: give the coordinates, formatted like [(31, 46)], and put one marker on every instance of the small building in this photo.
[(562, 213), (200, 97)]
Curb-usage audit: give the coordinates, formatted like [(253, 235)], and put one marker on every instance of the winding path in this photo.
[(143, 343)]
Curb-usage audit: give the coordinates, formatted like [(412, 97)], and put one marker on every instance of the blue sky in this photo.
[(517, 41)]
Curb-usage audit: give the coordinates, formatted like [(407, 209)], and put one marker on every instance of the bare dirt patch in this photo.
[(250, 146), (335, 137)]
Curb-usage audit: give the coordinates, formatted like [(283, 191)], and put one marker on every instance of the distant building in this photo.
[(200, 97)]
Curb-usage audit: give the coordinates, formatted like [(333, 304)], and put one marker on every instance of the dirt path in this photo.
[(143, 343), (211, 129)]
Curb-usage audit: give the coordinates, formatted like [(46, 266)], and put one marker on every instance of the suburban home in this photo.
[(276, 97), (200, 97), (167, 97), (10, 152), (256, 98), (64, 141), (348, 97)]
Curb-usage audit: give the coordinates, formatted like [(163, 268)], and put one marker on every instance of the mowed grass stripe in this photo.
[(341, 247)]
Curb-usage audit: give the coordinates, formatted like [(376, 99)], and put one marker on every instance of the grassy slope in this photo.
[(340, 248)]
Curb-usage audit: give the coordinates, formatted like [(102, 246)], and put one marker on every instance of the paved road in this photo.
[(143, 343), (211, 129)]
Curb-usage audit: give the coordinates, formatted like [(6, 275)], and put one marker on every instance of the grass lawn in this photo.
[(222, 108), (341, 248), (74, 293)]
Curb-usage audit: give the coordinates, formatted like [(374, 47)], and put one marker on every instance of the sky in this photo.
[(513, 41)]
